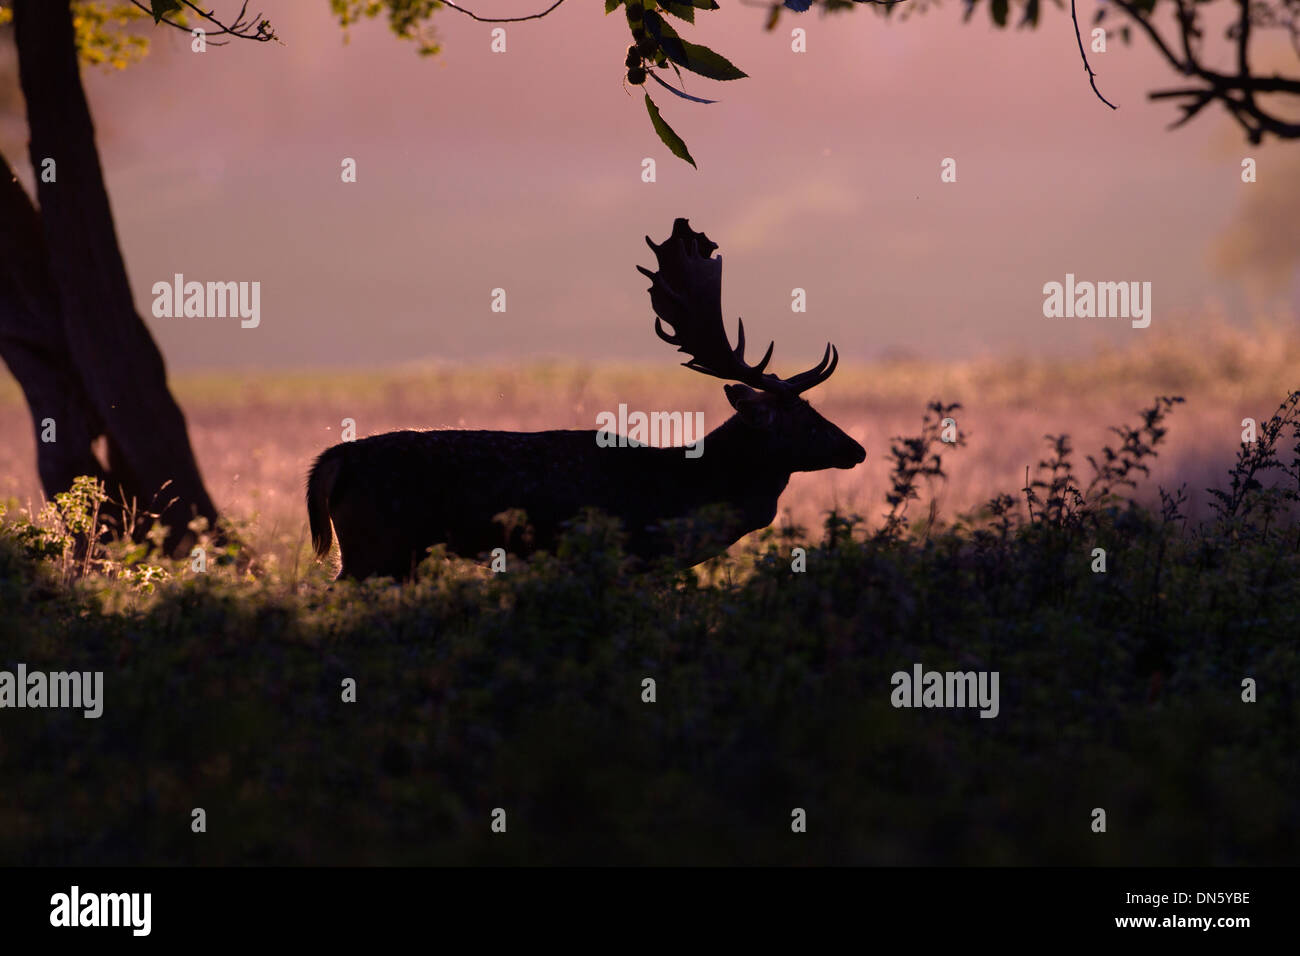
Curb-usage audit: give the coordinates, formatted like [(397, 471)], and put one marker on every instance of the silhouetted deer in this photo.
[(394, 495)]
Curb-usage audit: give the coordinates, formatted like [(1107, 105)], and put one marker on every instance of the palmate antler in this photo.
[(686, 293)]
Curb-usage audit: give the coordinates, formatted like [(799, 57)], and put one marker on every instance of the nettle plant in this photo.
[(59, 532), (1058, 499), (1247, 498), (71, 536)]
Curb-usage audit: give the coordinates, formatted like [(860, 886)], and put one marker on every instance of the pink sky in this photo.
[(522, 170)]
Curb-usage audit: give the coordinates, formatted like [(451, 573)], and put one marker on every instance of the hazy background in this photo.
[(522, 170)]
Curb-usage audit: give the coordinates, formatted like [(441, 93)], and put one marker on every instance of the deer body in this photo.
[(391, 496)]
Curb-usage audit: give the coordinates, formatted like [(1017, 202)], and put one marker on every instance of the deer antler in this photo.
[(686, 293)]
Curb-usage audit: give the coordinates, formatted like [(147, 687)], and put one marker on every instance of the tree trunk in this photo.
[(69, 330), (33, 346)]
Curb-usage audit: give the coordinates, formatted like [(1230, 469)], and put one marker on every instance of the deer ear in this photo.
[(739, 395), (749, 405)]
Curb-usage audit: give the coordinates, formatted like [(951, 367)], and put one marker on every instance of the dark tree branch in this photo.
[(1200, 99), (475, 16), (1186, 16), (1092, 77), (1152, 33), (1235, 92), (1243, 52), (244, 28)]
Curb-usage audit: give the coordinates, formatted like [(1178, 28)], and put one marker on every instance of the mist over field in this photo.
[(256, 433)]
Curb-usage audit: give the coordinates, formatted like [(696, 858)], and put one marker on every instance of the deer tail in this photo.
[(320, 487)]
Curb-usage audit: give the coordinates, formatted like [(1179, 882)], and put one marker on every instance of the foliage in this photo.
[(1246, 493), (408, 19), (523, 690), (1065, 504), (69, 539), (657, 47), (105, 35), (915, 459)]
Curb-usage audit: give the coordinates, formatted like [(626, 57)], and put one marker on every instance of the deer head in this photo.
[(686, 293)]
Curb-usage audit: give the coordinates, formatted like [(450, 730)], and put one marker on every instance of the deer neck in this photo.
[(737, 466)]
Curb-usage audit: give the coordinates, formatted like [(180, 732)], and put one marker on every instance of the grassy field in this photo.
[(524, 691), (256, 435)]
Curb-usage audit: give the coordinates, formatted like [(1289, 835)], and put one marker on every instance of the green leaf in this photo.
[(696, 58), (675, 91), (163, 7), (679, 9), (999, 10), (612, 5), (666, 133), (702, 60), (657, 28)]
